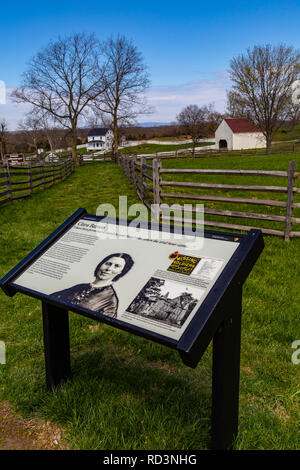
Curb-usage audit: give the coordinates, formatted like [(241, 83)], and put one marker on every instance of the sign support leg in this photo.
[(56, 344), (226, 375)]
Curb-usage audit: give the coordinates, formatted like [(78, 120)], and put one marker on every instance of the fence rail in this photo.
[(38, 175), (91, 158), (153, 189), (279, 148)]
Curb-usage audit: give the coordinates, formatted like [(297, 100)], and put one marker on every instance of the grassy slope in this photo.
[(152, 148), (129, 393), (287, 133), (253, 162)]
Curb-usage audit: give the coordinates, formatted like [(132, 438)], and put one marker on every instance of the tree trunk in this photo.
[(74, 142), (49, 138), (2, 149), (268, 141), (116, 139), (35, 142), (50, 144)]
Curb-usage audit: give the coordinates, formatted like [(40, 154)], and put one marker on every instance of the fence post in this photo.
[(43, 175), (52, 167), (128, 167), (30, 177), (156, 168), (8, 181), (133, 171), (290, 200), (143, 178)]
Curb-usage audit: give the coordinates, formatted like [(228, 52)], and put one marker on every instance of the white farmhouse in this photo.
[(238, 134), (100, 138)]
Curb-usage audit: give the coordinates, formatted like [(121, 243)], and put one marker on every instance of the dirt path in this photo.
[(17, 433)]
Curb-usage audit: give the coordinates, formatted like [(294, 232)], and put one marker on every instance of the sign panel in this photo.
[(12, 159), (153, 280)]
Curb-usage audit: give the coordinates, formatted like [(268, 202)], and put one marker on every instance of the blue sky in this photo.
[(187, 46)]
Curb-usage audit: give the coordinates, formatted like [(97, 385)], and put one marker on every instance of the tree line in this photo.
[(79, 79)]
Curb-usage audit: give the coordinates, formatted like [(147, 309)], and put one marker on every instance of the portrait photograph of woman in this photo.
[(99, 295)]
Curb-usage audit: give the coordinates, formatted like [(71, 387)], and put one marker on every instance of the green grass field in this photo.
[(130, 393), (287, 133), (173, 138), (153, 148), (247, 162)]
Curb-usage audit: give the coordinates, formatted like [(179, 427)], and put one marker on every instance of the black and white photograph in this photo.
[(166, 301), (99, 295)]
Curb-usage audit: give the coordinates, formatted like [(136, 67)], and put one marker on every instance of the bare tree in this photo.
[(293, 114), (196, 121), (64, 78), (31, 129), (262, 84), (124, 99), (3, 137), (51, 128)]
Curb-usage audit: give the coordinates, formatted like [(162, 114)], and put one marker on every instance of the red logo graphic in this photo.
[(173, 255)]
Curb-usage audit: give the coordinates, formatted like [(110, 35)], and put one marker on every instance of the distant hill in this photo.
[(154, 124), (140, 124)]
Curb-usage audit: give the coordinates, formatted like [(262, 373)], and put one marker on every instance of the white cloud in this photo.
[(12, 112), (169, 100)]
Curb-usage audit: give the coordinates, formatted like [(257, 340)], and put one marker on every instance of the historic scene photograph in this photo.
[(166, 301)]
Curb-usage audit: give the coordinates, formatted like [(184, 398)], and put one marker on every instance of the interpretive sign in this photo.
[(14, 158), (178, 289), (133, 275)]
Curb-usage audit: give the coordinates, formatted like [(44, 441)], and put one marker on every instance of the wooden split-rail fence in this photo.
[(19, 181), (215, 152), (152, 188), (93, 158)]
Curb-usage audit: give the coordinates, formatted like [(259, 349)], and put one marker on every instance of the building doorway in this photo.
[(222, 144)]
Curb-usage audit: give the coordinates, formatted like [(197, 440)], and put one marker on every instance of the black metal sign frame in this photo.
[(218, 318)]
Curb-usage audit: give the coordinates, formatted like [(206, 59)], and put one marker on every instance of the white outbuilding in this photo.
[(238, 134), (100, 138)]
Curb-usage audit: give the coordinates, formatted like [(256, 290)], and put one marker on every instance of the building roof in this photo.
[(242, 125), (98, 131)]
